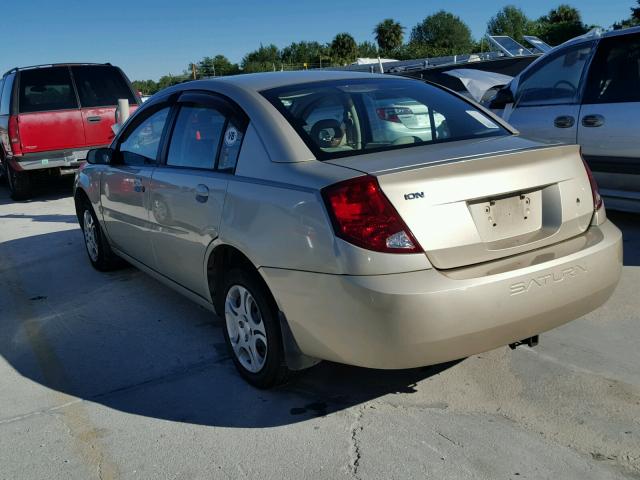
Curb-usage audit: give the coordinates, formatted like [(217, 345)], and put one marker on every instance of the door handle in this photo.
[(94, 119), (564, 121), (202, 193), (592, 121), (138, 186)]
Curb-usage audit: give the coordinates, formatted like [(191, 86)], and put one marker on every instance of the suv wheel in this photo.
[(98, 249), (19, 183), (251, 331)]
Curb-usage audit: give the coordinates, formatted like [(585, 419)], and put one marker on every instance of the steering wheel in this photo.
[(565, 82), (327, 133)]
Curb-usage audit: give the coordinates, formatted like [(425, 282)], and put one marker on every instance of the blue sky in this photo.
[(152, 38)]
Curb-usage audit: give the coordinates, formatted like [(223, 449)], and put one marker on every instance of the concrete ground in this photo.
[(114, 376)]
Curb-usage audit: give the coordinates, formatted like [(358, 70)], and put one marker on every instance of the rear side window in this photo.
[(196, 138), (46, 89), (101, 85), (614, 75), (354, 116)]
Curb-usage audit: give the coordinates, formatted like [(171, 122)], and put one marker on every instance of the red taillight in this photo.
[(14, 136), (362, 215), (597, 199), (390, 114)]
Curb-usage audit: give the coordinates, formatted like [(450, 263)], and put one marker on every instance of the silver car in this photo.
[(586, 91), (317, 238)]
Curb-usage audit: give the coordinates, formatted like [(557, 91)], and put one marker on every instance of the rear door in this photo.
[(48, 114), (99, 88), (125, 185), (547, 96), (189, 189), (609, 131)]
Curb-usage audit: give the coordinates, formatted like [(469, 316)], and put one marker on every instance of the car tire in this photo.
[(97, 246), (19, 183), (251, 329)]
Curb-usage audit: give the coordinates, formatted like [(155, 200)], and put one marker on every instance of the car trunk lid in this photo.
[(506, 198)]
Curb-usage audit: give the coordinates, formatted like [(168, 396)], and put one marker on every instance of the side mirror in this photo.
[(100, 156), (503, 98)]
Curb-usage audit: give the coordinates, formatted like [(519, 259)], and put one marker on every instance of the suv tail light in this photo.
[(14, 136), (362, 215), (597, 199), (390, 114)]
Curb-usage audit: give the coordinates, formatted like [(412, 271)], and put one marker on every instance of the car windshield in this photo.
[(354, 116)]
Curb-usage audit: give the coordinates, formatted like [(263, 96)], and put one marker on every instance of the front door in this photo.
[(609, 131), (189, 189), (125, 187), (548, 96)]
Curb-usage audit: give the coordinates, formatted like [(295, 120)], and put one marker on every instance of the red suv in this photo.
[(51, 115)]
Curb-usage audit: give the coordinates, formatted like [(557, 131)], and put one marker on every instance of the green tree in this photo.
[(264, 59), (367, 50), (509, 21), (389, 35), (560, 24), (442, 33), (298, 53), (632, 21), (218, 66), (344, 49)]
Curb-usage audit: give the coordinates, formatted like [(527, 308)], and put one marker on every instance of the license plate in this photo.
[(508, 217)]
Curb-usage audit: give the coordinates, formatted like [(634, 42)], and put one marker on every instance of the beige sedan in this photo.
[(293, 206)]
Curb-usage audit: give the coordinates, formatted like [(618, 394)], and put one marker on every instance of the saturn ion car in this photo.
[(321, 236)]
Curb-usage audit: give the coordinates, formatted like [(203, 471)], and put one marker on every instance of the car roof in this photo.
[(51, 65), (257, 82), (597, 34)]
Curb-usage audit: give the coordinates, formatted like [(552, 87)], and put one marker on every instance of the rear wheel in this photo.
[(98, 249), (251, 330), (19, 183)]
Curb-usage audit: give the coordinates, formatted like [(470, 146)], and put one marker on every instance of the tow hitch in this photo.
[(529, 342)]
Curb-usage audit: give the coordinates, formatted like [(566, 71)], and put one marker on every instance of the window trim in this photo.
[(604, 41), (544, 61)]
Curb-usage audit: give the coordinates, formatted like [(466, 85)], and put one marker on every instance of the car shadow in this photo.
[(125, 341), (629, 223), (44, 188)]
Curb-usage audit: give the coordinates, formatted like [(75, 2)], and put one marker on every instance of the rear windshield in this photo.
[(45, 89), (355, 116), (101, 85)]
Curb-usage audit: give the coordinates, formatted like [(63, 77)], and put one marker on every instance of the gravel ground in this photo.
[(114, 376)]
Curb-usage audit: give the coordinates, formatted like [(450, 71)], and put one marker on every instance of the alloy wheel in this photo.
[(245, 328)]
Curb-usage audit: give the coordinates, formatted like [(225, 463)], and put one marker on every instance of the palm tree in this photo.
[(389, 35), (344, 49)]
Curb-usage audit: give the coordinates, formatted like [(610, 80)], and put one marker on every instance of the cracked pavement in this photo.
[(114, 376)]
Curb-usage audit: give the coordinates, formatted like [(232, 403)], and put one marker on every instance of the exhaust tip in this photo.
[(529, 342)]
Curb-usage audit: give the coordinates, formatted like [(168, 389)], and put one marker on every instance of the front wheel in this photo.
[(251, 330), (98, 249)]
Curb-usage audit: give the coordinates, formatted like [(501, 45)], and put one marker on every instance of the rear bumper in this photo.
[(426, 317), (71, 158)]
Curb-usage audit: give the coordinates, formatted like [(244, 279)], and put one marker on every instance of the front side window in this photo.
[(556, 80), (614, 75), (196, 138), (101, 85), (349, 117), (140, 146), (46, 89)]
